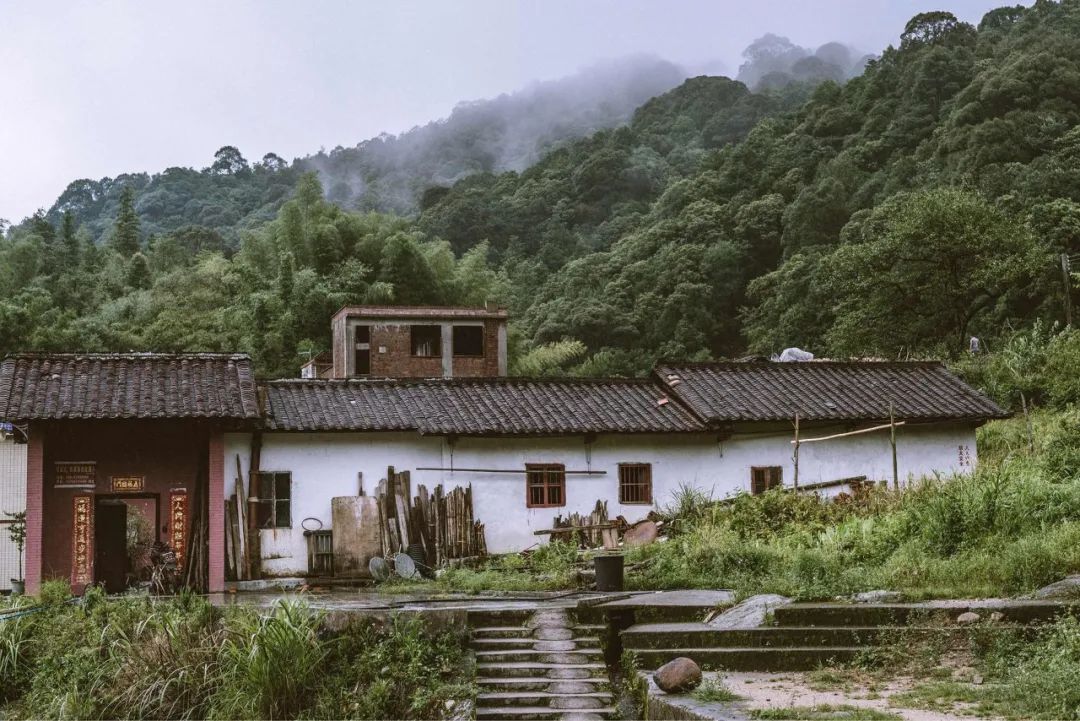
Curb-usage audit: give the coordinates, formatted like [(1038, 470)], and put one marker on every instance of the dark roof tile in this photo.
[(824, 390), (476, 407), (55, 386)]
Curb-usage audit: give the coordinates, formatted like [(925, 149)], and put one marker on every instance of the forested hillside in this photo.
[(895, 214), (387, 173)]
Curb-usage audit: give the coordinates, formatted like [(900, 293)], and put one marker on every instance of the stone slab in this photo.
[(670, 599)]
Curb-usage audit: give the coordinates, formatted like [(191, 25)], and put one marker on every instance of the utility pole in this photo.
[(892, 442), (796, 451), (1067, 280)]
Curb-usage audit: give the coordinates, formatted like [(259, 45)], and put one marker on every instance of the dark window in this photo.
[(635, 483), (545, 485), (762, 478), (275, 496), (362, 359), (426, 340), (468, 340)]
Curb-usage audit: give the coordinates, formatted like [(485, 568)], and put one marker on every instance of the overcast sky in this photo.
[(94, 89)]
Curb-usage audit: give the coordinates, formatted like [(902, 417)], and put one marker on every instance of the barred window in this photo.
[(275, 499), (762, 478), (545, 485), (635, 483)]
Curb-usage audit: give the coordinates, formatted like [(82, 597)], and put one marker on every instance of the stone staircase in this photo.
[(805, 636), (539, 665)]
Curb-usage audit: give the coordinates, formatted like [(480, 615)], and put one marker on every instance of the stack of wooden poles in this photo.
[(441, 525), (237, 540)]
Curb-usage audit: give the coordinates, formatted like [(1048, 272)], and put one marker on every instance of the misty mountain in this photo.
[(510, 132), (388, 173), (773, 61)]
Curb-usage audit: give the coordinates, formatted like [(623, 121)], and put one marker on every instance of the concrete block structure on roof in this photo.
[(418, 342)]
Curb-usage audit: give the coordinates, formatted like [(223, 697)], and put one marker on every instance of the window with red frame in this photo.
[(545, 485), (635, 483)]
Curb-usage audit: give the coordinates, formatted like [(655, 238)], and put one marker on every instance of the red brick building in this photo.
[(416, 342), (124, 450)]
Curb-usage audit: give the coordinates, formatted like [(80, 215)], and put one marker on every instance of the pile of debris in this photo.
[(596, 531)]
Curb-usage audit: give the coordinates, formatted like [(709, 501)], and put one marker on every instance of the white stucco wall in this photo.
[(12, 500), (324, 465)]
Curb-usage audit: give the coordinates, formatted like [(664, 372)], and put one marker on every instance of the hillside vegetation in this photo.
[(896, 214)]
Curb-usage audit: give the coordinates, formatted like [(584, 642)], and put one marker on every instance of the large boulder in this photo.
[(750, 613), (1068, 587), (678, 675)]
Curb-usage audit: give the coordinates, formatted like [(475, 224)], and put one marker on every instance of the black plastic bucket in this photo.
[(609, 572)]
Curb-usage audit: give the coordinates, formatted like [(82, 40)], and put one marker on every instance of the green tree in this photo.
[(125, 239), (927, 270)]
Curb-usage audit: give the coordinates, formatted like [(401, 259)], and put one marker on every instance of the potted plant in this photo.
[(17, 532)]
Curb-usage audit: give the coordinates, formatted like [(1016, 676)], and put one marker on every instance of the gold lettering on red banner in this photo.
[(178, 525), (127, 483), (82, 541)]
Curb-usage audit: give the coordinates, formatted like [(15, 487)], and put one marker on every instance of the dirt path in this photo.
[(787, 690)]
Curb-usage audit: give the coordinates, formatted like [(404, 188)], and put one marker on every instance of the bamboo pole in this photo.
[(796, 456), (1027, 421), (892, 442), (850, 433)]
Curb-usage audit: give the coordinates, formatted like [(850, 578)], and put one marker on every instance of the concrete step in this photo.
[(751, 659), (590, 700), (509, 643), (535, 668), (539, 713), (537, 683), (501, 632), (700, 635), (499, 617), (883, 614), (528, 654)]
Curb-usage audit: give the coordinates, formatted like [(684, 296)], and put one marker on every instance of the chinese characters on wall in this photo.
[(178, 525), (82, 549)]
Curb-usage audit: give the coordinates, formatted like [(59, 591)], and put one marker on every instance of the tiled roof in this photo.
[(477, 406), (322, 405), (40, 386), (824, 390)]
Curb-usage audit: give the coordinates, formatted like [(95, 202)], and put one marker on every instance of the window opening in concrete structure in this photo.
[(635, 483), (468, 340), (545, 485), (362, 361), (426, 341)]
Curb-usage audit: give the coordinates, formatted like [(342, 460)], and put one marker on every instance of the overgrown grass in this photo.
[(550, 567), (713, 690), (824, 712), (138, 658), (1009, 528)]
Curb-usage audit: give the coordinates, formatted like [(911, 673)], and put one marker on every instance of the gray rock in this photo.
[(678, 675), (997, 617), (750, 613), (1068, 587), (967, 618), (878, 597)]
